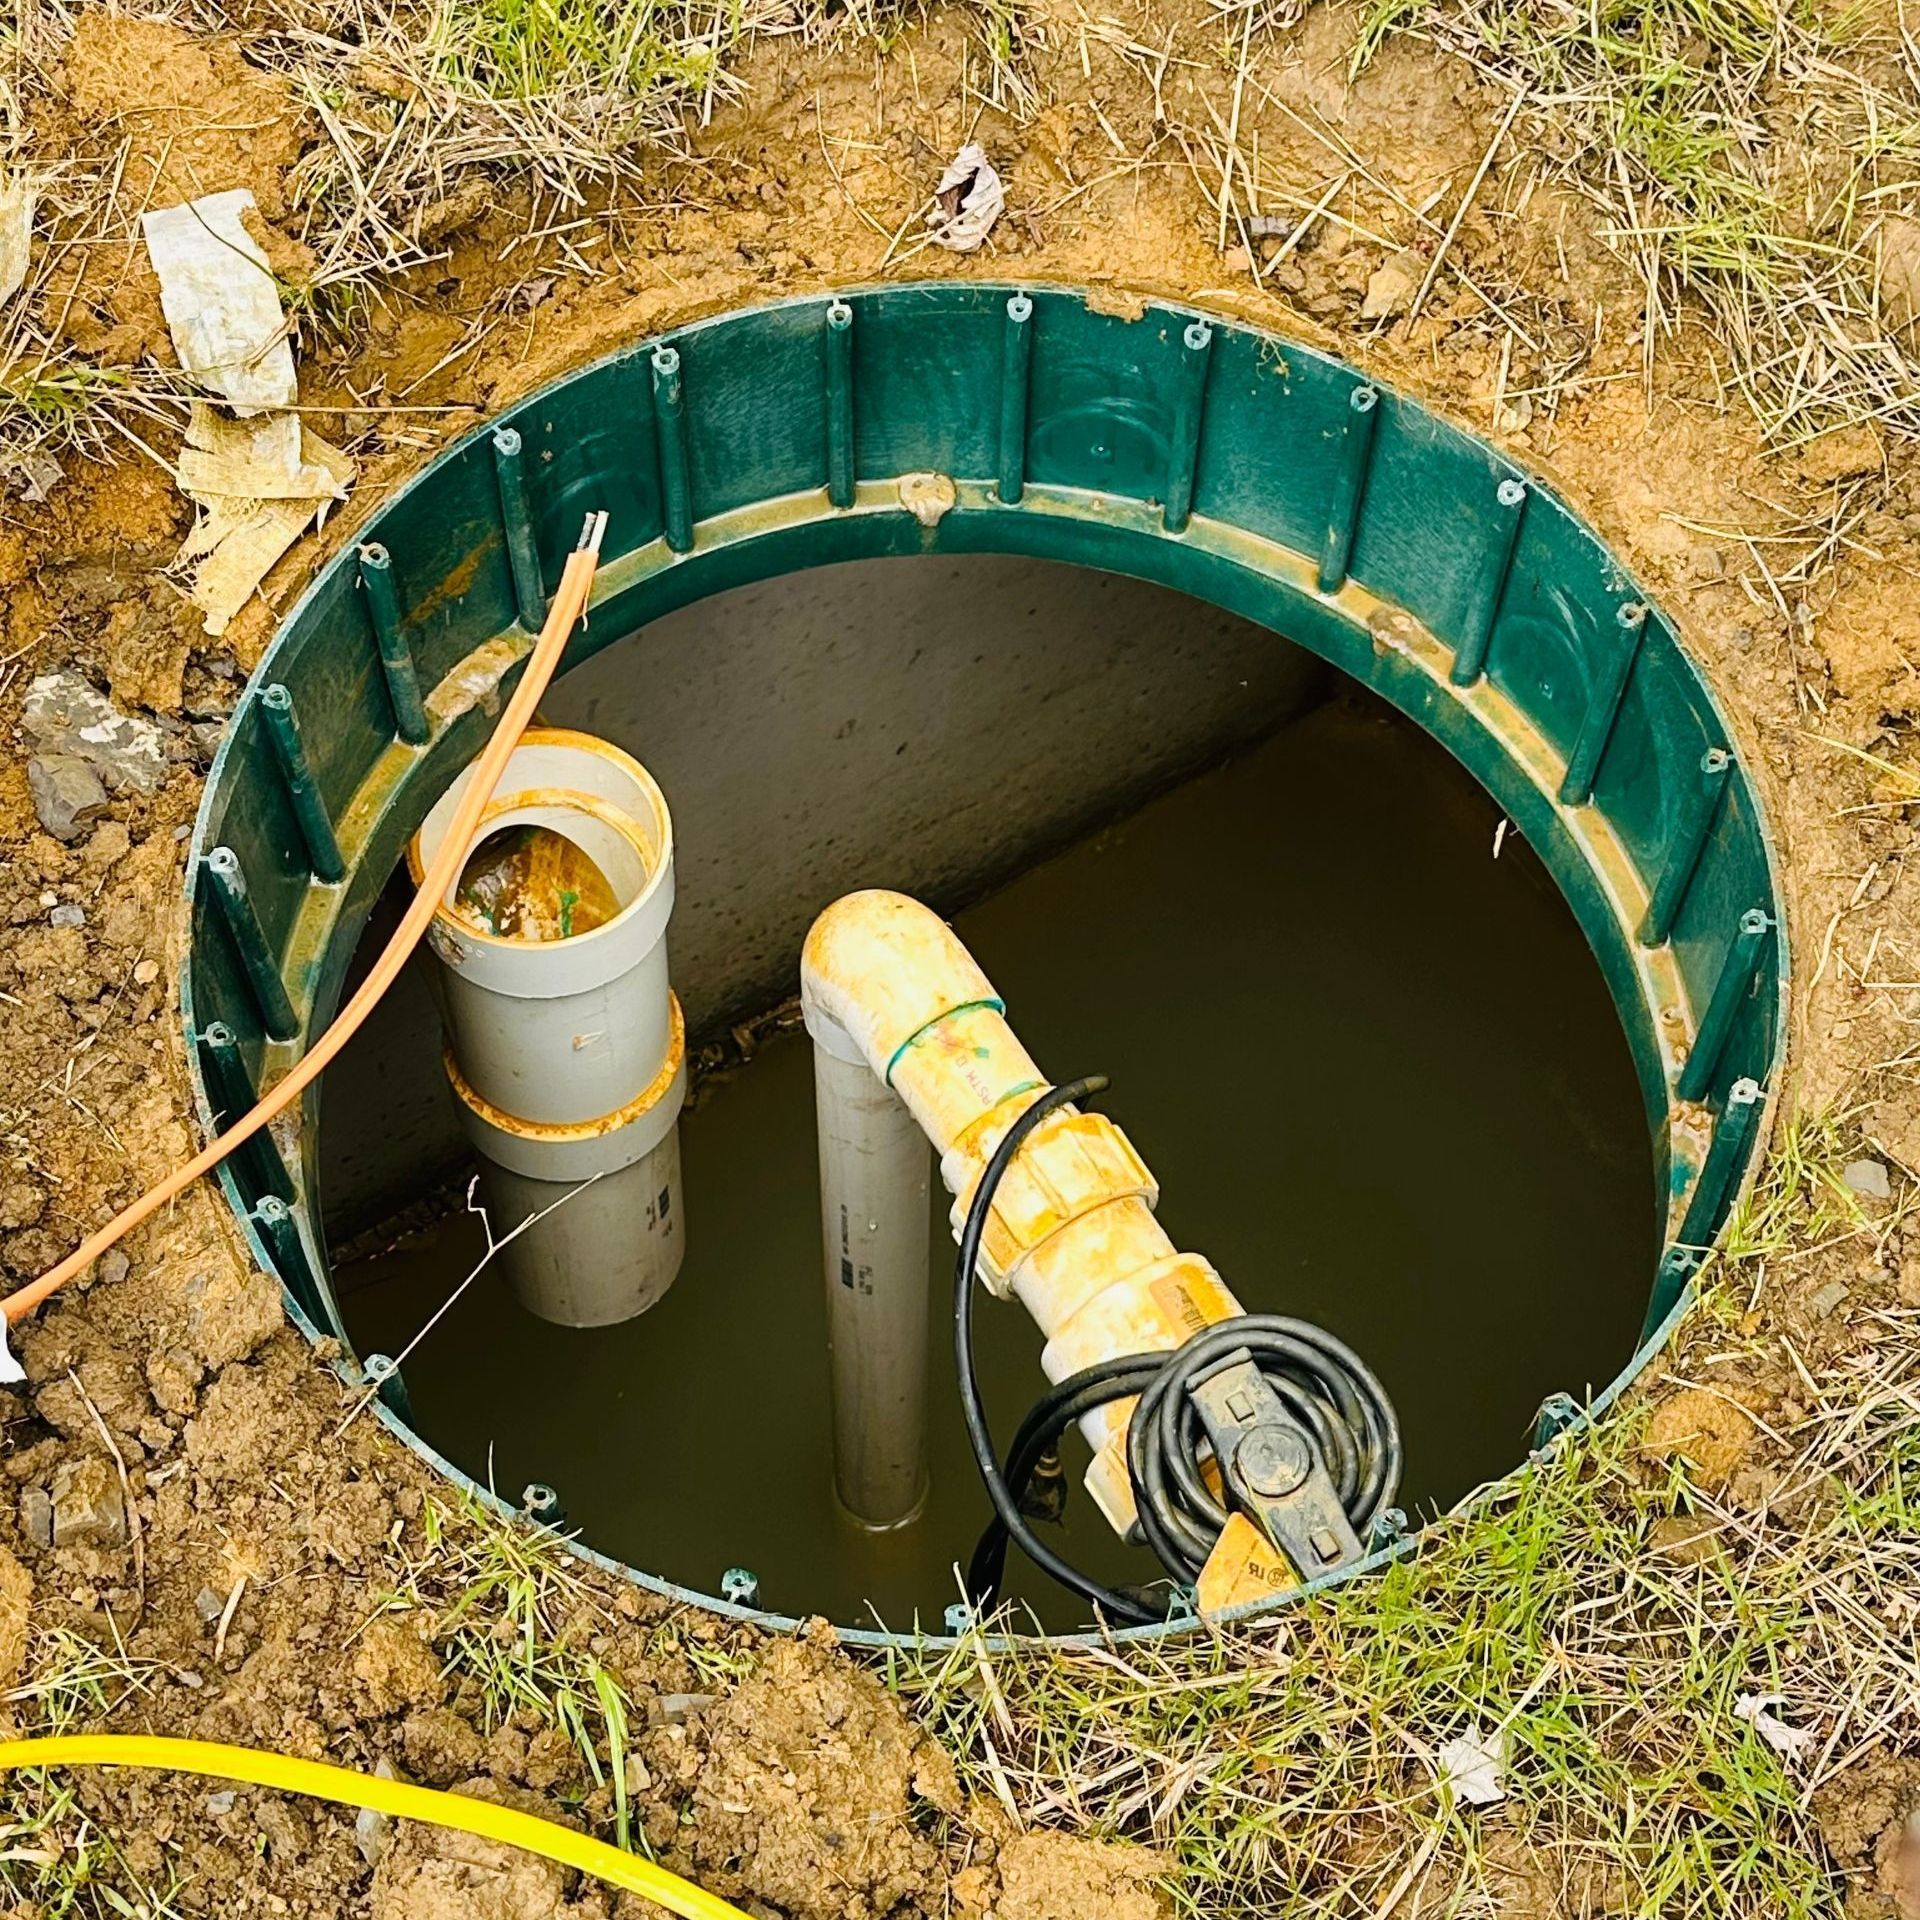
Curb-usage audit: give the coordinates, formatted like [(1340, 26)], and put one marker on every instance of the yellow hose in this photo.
[(406, 1802)]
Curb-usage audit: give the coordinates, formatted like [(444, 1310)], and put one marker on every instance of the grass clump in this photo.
[(524, 1641), (55, 1860), (1755, 162)]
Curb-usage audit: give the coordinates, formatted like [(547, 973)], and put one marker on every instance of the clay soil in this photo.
[(287, 1581)]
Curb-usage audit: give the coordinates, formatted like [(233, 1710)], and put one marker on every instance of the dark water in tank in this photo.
[(1378, 1076)]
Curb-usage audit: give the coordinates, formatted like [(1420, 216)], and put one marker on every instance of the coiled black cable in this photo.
[(1325, 1387)]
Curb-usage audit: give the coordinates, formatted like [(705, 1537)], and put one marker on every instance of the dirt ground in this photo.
[(253, 1572)]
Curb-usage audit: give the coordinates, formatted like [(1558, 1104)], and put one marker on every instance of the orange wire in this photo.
[(569, 603)]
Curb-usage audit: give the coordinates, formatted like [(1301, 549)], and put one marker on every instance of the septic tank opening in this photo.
[(1350, 1021), (1260, 478)]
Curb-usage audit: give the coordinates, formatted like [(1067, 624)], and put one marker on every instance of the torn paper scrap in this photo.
[(968, 200), (35, 472), (237, 540), (222, 306), (1790, 1742), (255, 459), (18, 198), (1474, 1764)]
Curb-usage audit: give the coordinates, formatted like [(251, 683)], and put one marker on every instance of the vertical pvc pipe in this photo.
[(670, 442), (1683, 853), (876, 1232), (1490, 589), (1349, 486), (1016, 369), (1603, 709), (1735, 982), (1189, 419), (523, 550), (256, 957), (234, 1096), (396, 657), (303, 793), (839, 351)]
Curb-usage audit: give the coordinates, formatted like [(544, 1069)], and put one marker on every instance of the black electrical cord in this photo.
[(1323, 1384)]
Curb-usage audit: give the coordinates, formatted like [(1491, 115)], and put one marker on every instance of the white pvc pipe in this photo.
[(567, 1057), (1071, 1233), (876, 1236), (563, 1030), (614, 1231)]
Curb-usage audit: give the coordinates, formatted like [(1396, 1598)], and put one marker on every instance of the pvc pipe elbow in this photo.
[(877, 970)]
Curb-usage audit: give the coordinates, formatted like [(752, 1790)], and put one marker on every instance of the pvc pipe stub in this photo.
[(590, 791)]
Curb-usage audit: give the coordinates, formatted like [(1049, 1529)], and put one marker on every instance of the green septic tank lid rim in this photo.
[(1211, 456)]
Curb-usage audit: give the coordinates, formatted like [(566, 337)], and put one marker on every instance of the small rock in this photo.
[(929, 497), (88, 1508), (68, 914), (66, 793), (65, 714), (173, 1378), (1868, 1178), (1843, 453), (1900, 272), (1823, 1303), (145, 972), (1707, 563), (208, 1605), (36, 1515), (371, 1829), (223, 1801), (1391, 287), (112, 1267), (682, 1706)]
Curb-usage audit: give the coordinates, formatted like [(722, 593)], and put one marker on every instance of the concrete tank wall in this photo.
[(929, 724)]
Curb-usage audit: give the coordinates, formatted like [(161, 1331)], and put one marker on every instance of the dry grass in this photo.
[(423, 112), (1759, 164)]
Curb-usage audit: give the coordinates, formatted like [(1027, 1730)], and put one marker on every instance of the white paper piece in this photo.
[(1474, 1764), (968, 200), (220, 300), (237, 539), (18, 198), (256, 459), (11, 1371), (1756, 1709)]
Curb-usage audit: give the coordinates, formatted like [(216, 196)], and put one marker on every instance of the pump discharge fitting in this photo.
[(565, 1049), (894, 1000)]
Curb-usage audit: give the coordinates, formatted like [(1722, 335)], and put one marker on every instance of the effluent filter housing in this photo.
[(1248, 1455)]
